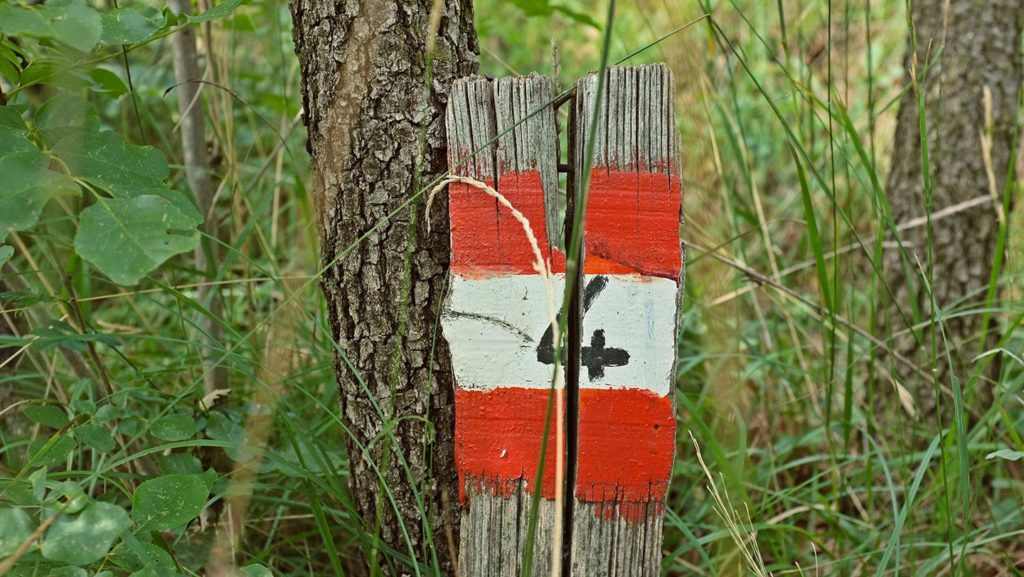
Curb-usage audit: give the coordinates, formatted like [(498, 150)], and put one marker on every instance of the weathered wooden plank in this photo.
[(496, 316), (632, 277)]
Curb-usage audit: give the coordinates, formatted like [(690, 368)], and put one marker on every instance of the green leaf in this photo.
[(106, 412), (169, 501), (51, 451), (71, 22), (106, 82), (27, 182), (221, 428), (15, 528), (10, 64), (9, 71), (11, 122), (127, 238), (130, 426), (71, 127), (180, 463), (79, 405), (87, 536), (38, 480), (26, 187), (18, 492), (143, 558), (255, 570), (128, 26), (65, 116), (95, 436), (70, 495), (5, 254), (53, 70), (61, 334), (67, 571), (48, 415), (240, 22), (580, 17), (547, 8), (219, 11), (534, 7), (1005, 454), (125, 170), (174, 427)]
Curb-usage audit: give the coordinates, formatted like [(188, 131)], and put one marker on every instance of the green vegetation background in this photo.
[(778, 396)]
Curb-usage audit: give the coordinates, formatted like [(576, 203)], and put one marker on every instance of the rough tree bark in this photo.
[(363, 72), (965, 49)]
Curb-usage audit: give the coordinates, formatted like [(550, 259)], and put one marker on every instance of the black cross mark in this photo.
[(595, 357)]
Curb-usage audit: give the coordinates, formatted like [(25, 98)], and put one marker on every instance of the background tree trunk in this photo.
[(197, 173), (363, 73), (965, 48)]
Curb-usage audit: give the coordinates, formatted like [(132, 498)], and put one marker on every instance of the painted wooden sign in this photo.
[(626, 427), (621, 351), (496, 316)]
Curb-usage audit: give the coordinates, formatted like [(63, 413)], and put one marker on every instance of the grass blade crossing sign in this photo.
[(620, 351)]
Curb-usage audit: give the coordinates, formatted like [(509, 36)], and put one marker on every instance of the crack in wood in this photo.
[(619, 425)]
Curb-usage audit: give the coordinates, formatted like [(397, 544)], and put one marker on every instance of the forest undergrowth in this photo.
[(117, 456)]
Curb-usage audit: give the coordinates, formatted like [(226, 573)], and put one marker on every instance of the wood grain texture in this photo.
[(631, 242), (501, 132)]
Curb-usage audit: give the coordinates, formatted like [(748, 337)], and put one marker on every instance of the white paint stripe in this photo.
[(493, 327), (638, 315)]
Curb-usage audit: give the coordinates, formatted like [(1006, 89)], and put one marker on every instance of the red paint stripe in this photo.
[(626, 450), (487, 239), (633, 223), (498, 439)]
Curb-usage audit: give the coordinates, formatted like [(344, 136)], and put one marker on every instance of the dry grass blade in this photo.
[(745, 540)]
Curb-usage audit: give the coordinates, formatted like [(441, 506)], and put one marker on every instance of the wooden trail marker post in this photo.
[(620, 350)]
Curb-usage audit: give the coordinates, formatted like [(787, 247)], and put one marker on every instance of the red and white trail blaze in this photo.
[(626, 430), (496, 315), (496, 321)]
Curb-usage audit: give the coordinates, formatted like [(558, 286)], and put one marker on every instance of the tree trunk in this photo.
[(197, 173), (966, 50), (367, 107)]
